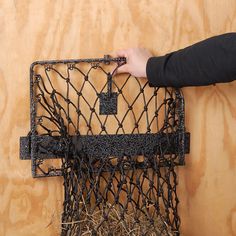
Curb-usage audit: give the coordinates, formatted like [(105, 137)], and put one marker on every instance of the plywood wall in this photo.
[(33, 30)]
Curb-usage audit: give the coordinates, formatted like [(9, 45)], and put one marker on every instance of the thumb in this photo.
[(121, 53), (122, 69)]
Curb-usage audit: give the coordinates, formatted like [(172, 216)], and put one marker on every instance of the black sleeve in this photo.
[(207, 62)]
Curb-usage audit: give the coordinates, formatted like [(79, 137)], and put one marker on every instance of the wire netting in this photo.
[(112, 138)]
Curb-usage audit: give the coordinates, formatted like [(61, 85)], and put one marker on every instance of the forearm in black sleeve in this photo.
[(207, 62)]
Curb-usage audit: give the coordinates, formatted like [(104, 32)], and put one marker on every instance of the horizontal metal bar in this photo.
[(50, 147), (106, 59)]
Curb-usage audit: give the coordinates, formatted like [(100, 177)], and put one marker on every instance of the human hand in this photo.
[(136, 61)]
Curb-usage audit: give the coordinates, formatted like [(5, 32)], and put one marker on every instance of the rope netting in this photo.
[(112, 136)]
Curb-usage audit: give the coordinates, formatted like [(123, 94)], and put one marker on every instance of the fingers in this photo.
[(123, 69), (136, 60), (122, 53)]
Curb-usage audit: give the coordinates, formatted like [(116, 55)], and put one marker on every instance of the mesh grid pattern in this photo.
[(109, 190)]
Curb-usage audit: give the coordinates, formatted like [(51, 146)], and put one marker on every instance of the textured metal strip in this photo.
[(105, 145), (25, 148)]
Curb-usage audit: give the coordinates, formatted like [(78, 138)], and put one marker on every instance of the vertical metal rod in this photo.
[(109, 85)]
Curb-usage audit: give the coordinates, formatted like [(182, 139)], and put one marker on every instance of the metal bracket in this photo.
[(42, 144), (98, 146)]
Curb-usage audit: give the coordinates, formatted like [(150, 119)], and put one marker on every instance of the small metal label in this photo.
[(108, 103)]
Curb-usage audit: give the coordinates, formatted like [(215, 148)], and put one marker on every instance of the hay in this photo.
[(108, 222)]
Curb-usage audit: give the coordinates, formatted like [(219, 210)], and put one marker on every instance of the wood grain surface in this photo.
[(40, 30)]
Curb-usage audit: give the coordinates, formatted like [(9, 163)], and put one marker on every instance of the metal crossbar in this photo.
[(115, 141)]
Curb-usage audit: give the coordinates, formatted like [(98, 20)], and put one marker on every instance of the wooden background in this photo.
[(36, 30)]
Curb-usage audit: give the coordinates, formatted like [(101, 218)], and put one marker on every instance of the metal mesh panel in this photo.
[(115, 141)]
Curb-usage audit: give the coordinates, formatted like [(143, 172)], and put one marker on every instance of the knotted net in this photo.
[(116, 141)]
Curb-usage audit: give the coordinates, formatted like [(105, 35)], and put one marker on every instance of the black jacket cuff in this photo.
[(154, 69)]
